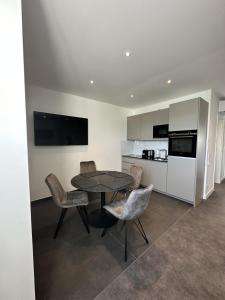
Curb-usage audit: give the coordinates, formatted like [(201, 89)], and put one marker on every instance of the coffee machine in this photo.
[(148, 154)]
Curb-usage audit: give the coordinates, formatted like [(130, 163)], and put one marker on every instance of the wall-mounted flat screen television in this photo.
[(59, 130)]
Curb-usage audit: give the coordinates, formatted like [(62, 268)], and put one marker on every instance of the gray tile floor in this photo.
[(185, 262), (80, 266)]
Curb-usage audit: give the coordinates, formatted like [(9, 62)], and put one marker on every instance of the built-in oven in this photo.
[(183, 143), (160, 131)]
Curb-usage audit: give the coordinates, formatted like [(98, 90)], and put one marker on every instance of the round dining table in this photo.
[(103, 182)]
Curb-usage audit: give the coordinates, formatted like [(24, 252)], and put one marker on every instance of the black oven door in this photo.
[(183, 143)]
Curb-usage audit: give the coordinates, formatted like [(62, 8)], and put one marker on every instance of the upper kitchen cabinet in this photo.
[(134, 127), (184, 115), (146, 126), (161, 117), (140, 127)]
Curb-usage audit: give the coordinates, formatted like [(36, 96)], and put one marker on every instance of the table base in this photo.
[(100, 219)]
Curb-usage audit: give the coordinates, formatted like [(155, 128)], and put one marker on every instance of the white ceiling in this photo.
[(68, 43)]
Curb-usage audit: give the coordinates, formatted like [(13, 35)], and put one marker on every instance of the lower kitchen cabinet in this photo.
[(153, 172), (181, 179)]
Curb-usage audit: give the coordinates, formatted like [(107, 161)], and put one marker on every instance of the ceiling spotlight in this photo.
[(127, 53), (91, 81), (169, 81), (132, 96)]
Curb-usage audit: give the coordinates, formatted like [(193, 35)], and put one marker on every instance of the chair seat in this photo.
[(75, 198), (116, 208)]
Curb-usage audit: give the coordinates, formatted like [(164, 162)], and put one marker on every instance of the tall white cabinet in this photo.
[(185, 176)]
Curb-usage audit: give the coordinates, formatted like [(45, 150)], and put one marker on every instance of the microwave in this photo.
[(160, 131)]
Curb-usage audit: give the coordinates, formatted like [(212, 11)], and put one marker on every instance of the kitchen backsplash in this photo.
[(136, 147)]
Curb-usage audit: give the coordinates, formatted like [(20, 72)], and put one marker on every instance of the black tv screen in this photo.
[(59, 130)]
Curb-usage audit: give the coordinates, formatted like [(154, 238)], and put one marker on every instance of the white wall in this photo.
[(107, 128), (219, 151), (211, 144), (16, 259), (213, 101)]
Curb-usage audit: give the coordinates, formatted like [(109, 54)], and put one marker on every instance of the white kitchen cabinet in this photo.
[(161, 117), (134, 127), (140, 127), (181, 179), (153, 172), (184, 115), (147, 126)]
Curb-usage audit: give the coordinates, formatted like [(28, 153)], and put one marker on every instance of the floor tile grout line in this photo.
[(164, 233)]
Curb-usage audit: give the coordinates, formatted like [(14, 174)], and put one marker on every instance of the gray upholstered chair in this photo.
[(65, 200), (86, 167), (131, 209), (136, 172)]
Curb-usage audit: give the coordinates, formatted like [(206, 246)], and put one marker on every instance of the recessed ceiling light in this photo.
[(91, 81), (132, 96), (127, 53), (169, 81)]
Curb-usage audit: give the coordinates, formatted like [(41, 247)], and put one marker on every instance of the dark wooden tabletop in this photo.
[(102, 181)]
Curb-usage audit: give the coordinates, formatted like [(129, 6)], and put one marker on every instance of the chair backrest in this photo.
[(56, 189), (137, 202), (87, 166), (136, 173)]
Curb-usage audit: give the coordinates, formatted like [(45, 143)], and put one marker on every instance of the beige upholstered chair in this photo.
[(131, 209), (136, 172), (65, 200), (85, 167)]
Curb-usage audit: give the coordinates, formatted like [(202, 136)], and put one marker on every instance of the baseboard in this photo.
[(209, 194), (40, 200), (222, 179)]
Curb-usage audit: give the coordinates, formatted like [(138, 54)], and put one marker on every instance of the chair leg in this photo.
[(125, 241), (83, 218), (113, 197), (104, 232), (63, 213), (85, 212), (141, 230)]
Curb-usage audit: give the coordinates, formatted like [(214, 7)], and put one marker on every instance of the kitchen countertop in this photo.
[(140, 157)]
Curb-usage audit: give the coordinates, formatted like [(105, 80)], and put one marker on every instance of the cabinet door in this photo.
[(134, 127), (155, 173), (147, 126), (181, 177), (161, 117), (184, 115)]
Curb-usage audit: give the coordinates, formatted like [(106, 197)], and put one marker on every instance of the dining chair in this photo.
[(86, 167), (136, 172), (65, 200), (131, 209)]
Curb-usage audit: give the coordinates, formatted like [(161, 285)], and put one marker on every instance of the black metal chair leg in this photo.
[(125, 241), (83, 218), (141, 230), (85, 212), (63, 213), (104, 232)]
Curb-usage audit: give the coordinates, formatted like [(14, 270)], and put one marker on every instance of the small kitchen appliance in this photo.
[(148, 154), (163, 154), (157, 154)]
